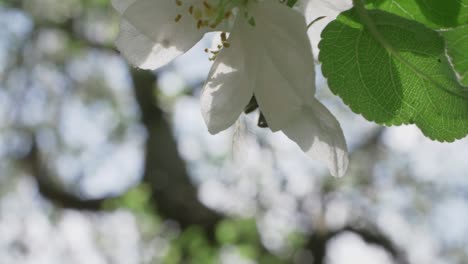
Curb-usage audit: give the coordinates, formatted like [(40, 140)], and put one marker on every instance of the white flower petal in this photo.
[(283, 63), (122, 5), (314, 9), (228, 88), (319, 134), (149, 35)]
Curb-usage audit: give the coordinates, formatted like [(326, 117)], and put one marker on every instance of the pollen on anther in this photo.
[(223, 37)]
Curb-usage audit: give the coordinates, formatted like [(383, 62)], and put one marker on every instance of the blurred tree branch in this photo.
[(370, 234), (50, 190), (165, 170), (367, 231), (173, 194)]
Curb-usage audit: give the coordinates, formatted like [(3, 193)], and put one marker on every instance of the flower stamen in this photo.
[(219, 47), (207, 13)]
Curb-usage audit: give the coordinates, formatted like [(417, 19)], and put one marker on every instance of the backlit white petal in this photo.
[(228, 88), (122, 5), (318, 133), (149, 35), (314, 9), (283, 61)]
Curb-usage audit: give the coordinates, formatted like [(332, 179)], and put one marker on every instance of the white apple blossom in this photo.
[(267, 55)]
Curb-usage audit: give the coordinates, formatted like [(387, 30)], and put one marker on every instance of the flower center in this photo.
[(206, 13)]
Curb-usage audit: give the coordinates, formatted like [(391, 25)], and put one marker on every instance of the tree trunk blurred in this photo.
[(165, 171)]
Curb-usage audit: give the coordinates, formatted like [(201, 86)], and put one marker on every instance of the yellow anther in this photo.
[(219, 47), (205, 13)]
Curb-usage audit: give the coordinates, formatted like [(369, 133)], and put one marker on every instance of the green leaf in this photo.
[(398, 74), (457, 50), (436, 14)]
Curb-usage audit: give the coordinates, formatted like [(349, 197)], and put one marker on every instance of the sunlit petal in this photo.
[(329, 9), (283, 63), (122, 5), (228, 88), (318, 133), (153, 33)]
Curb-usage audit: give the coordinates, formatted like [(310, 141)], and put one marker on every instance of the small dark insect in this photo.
[(262, 121), (251, 106)]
